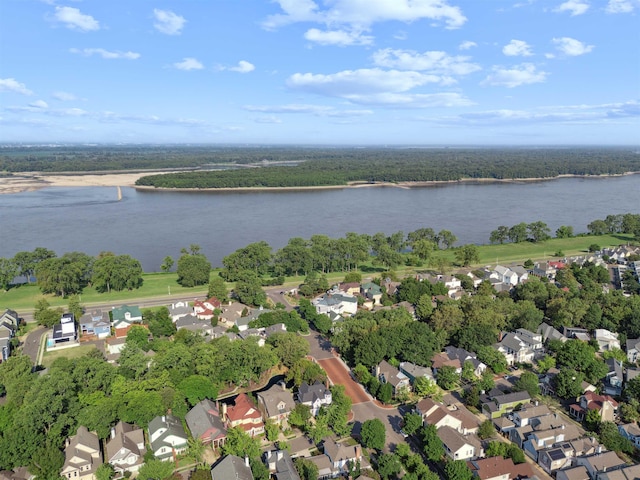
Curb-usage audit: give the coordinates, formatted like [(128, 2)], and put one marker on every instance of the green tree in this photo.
[(116, 272), (528, 382), (290, 347), (196, 388), (75, 307), (610, 437), (518, 233), (539, 231), (217, 289), (411, 423), (249, 291), (306, 468), (193, 268), (64, 275), (300, 416), (546, 362), (433, 448), (45, 315), (155, 470), (159, 322), (385, 394), (272, 430), (446, 238), (167, 264), (568, 383), (239, 443), (457, 470), (425, 387), (105, 472), (467, 254), (389, 465), (47, 462), (486, 430), (592, 420), (447, 378), (373, 434), (499, 235), (564, 231), (8, 271)]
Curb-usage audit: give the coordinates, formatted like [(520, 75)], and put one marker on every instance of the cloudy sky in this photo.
[(417, 72)]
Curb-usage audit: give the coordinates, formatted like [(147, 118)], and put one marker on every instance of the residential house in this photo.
[(604, 404), (499, 405), (528, 413), (599, 463), (123, 318), (372, 294), (205, 423), (499, 468), (455, 357), (545, 269), (125, 449), (606, 340), (414, 371), (230, 313), (167, 437), (324, 466), (630, 431), (315, 396), (243, 413), (205, 310), (276, 404), (96, 322), (521, 272), (350, 288), (514, 349), (115, 345), (576, 333), (550, 333), (547, 428), (631, 472), (533, 340), (280, 465), (387, 373), (458, 446), (273, 329), (573, 473), (341, 455), (9, 322), (615, 376), (194, 324), (64, 333), (18, 473), (550, 447), (440, 415), (82, 455), (337, 302), (505, 275), (179, 309), (633, 349), (231, 467)]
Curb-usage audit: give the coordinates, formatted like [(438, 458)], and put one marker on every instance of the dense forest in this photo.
[(315, 166), (341, 167)]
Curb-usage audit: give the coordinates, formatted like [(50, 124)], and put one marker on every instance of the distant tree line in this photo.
[(411, 165)]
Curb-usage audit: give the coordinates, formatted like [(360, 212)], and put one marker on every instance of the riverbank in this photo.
[(31, 181)]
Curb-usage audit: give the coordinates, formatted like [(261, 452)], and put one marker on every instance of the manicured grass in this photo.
[(159, 285), (70, 353)]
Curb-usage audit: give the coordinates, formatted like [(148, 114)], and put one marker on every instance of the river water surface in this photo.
[(149, 225)]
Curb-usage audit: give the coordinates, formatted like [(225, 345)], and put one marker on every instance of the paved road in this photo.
[(31, 344), (340, 376)]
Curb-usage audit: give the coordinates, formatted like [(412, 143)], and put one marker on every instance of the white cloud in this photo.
[(467, 45), (109, 55), (517, 48), (358, 82), (572, 47), (168, 22), (575, 7), (523, 74), (64, 96), (408, 100), (73, 19), (242, 67), (39, 104), (363, 14), (269, 120), (340, 38), (189, 63), (12, 85), (621, 6), (300, 108), (432, 61)]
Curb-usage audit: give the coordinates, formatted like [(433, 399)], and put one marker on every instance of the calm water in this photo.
[(151, 225)]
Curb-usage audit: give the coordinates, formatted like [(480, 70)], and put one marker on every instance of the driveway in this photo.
[(339, 375)]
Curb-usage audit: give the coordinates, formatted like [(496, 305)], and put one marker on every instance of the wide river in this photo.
[(149, 225)]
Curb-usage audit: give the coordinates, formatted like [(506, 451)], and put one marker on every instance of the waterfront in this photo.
[(150, 225)]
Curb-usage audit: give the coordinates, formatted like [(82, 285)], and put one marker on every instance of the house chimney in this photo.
[(246, 461), (164, 419), (280, 454), (224, 410), (113, 433)]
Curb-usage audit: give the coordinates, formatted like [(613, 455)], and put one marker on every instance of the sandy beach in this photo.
[(25, 182)]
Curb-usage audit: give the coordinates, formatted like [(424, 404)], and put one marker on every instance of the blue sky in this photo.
[(417, 72)]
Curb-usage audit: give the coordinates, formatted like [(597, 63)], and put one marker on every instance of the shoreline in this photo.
[(31, 181)]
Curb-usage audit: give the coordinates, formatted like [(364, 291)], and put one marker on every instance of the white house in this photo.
[(337, 302)]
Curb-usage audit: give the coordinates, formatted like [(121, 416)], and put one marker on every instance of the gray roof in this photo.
[(204, 417), (173, 426), (391, 374), (231, 467), (309, 393), (284, 467), (512, 397), (415, 371), (550, 333), (276, 395), (452, 439)]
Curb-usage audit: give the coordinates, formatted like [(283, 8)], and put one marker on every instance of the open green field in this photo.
[(164, 285), (76, 352)]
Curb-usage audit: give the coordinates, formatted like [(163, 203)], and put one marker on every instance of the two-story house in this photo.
[(125, 449), (603, 404), (514, 349), (243, 413), (95, 322), (123, 318), (315, 396), (204, 422), (458, 446), (276, 404), (82, 455), (167, 437), (387, 373)]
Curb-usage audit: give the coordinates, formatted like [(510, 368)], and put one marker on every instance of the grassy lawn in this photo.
[(70, 353), (160, 285)]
